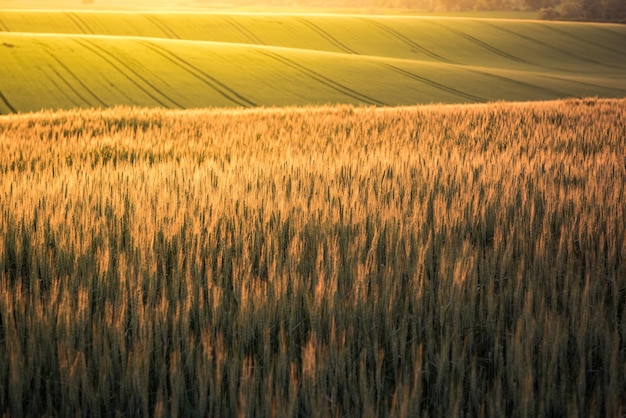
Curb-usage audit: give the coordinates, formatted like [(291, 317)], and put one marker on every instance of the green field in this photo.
[(68, 59)]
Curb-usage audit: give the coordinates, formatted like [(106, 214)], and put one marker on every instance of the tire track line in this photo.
[(480, 43), (221, 88), (435, 84), (82, 26), (70, 72), (243, 30), (162, 26), (82, 84), (323, 79), (584, 83), (490, 48), (103, 53), (324, 34), (69, 86), (556, 93), (613, 33), (408, 41), (7, 103), (4, 25), (581, 39), (518, 82), (540, 43)]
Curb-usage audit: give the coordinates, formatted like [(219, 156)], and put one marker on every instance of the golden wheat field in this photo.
[(460, 260)]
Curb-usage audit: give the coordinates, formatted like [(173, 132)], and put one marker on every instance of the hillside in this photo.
[(61, 60)]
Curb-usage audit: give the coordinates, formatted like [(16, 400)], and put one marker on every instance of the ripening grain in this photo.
[(442, 261)]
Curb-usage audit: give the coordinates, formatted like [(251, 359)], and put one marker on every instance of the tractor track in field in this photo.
[(542, 43), (556, 93), (408, 41), (221, 88), (4, 27), (489, 48), (80, 23), (69, 86), (324, 34), (435, 84), (518, 82), (580, 39), (323, 79), (619, 34), (247, 33), (7, 103), (584, 83), (70, 72), (119, 90), (169, 33), (103, 53), (482, 44)]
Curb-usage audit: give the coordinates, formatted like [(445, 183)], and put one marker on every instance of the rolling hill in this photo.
[(67, 59)]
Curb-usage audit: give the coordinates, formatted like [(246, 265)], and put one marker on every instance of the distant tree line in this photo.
[(593, 10)]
